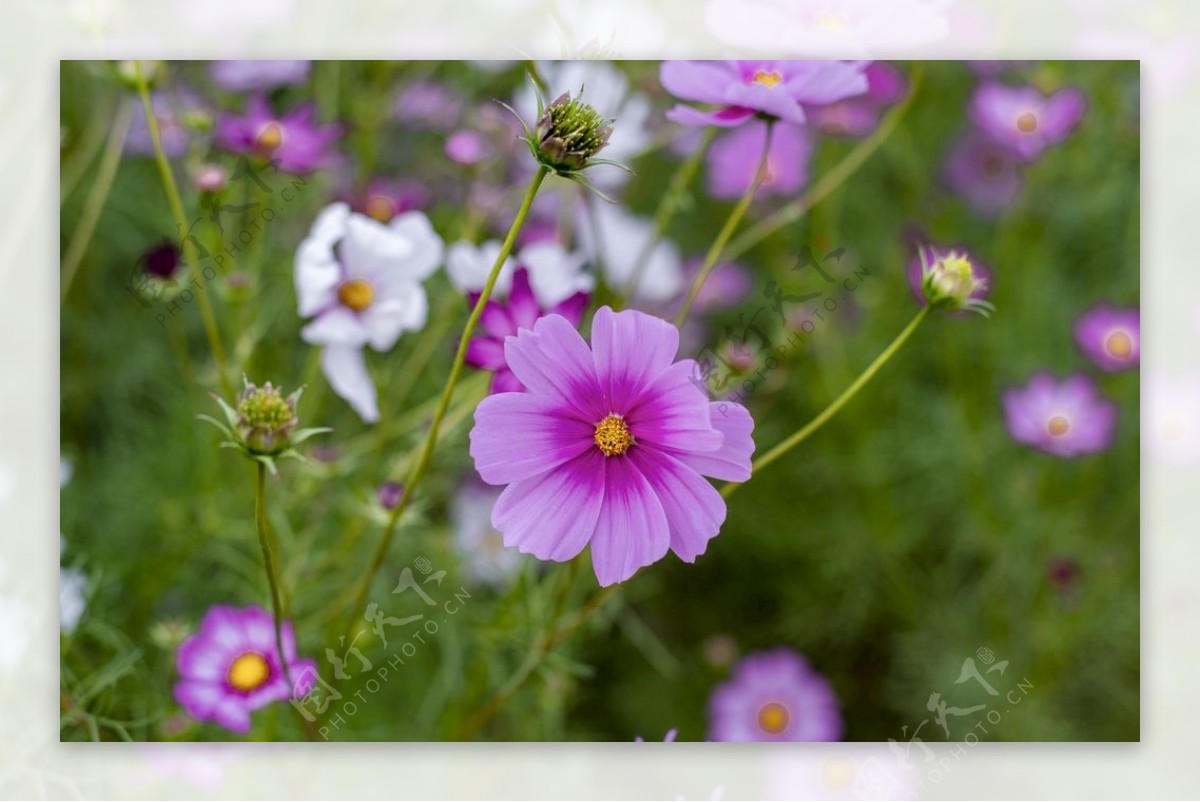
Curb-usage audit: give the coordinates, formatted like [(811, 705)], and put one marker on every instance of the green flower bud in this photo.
[(266, 419), (952, 282), (569, 133)]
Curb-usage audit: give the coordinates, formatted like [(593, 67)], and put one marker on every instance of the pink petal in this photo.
[(522, 305), (553, 360), (672, 412), (704, 81), (495, 319), (731, 461), (552, 516), (505, 382), (519, 435), (630, 349), (723, 118), (694, 508), (572, 308), (485, 353), (631, 530)]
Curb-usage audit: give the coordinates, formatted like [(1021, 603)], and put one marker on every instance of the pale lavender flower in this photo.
[(986, 175), (425, 104), (1067, 419), (734, 158), (175, 112), (858, 116), (252, 75), (1110, 337), (774, 696), (617, 240), (479, 545), (1022, 119), (465, 147)]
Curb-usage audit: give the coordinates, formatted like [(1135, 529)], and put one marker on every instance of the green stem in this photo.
[(193, 260), (96, 198), (264, 540), (668, 206), (418, 469), (832, 179), (541, 649), (839, 402), (89, 145), (731, 223)]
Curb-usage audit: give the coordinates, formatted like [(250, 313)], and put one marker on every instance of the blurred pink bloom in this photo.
[(425, 104), (294, 141), (1067, 419), (465, 147), (986, 175), (1110, 337), (1023, 120), (385, 198), (1171, 418), (823, 28), (258, 74), (734, 157), (742, 90), (858, 116), (774, 696), (171, 111)]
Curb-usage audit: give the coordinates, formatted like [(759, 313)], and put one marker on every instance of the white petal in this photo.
[(387, 318), (338, 326), (554, 272), (317, 276), (346, 369), (427, 248), (371, 250), (468, 266)]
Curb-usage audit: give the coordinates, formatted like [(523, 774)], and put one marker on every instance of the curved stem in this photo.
[(96, 198), (839, 402), (418, 469), (731, 223), (193, 260), (541, 649), (668, 206), (268, 550), (832, 179)]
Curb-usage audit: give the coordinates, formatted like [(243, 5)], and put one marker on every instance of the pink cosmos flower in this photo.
[(1112, 338), (858, 116), (982, 173), (740, 90), (734, 157), (466, 147), (231, 667), (1067, 419), (774, 696), (385, 198), (608, 446), (258, 74), (1024, 121), (501, 320), (293, 140)]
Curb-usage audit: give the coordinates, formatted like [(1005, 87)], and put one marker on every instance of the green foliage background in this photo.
[(905, 535)]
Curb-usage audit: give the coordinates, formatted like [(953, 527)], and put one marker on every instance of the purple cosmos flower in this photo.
[(1112, 338), (231, 667), (774, 696), (1066, 419), (172, 111), (608, 446), (983, 173), (734, 157), (858, 116), (743, 89), (503, 320), (385, 198), (1021, 119), (254, 75), (294, 141), (427, 105), (360, 282), (465, 147)]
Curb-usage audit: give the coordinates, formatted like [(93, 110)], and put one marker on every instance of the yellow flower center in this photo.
[(773, 718), (1058, 425), (1118, 344), (831, 22), (270, 137), (612, 436), (767, 77), (381, 208), (1027, 123), (357, 293), (248, 672)]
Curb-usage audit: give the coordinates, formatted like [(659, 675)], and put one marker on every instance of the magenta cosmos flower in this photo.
[(858, 116), (1112, 338), (608, 446), (231, 667), (1067, 419), (294, 140), (1023, 120), (774, 696), (733, 160), (741, 90), (501, 320)]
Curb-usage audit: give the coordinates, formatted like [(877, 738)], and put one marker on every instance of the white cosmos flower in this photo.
[(555, 274), (360, 282), (479, 545), (617, 240)]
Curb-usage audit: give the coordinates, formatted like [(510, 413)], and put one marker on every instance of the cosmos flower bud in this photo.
[(569, 133), (265, 418), (127, 73), (951, 281), (263, 426)]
